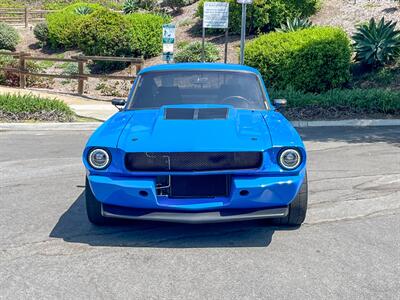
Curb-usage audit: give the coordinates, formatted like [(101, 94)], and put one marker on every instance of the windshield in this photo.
[(156, 89)]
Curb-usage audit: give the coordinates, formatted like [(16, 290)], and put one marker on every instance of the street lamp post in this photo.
[(243, 29)]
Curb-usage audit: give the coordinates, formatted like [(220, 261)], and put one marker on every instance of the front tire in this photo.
[(93, 207), (298, 207)]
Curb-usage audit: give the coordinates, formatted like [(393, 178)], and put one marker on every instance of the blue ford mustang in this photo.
[(194, 143)]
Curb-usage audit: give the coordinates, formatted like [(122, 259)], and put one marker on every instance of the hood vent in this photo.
[(196, 113)]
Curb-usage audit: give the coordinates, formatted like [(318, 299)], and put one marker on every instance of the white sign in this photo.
[(168, 48), (215, 15), (245, 1)]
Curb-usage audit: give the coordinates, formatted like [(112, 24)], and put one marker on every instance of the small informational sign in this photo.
[(168, 33), (168, 40), (168, 48), (245, 1), (215, 15)]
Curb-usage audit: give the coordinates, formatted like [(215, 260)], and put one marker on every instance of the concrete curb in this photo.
[(49, 126), (349, 123), (94, 125)]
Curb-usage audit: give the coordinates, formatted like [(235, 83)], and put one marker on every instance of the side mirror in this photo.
[(118, 103), (280, 103)]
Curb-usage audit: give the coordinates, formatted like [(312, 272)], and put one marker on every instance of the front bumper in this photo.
[(192, 218), (262, 192)]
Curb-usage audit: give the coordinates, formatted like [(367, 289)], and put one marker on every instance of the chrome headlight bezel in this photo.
[(91, 158), (286, 151)]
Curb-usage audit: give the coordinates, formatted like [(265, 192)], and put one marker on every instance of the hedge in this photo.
[(145, 32), (15, 107), (374, 100), (314, 59), (60, 4), (9, 37), (63, 25), (104, 33), (264, 15)]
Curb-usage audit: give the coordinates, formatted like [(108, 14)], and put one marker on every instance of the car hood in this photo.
[(150, 131)]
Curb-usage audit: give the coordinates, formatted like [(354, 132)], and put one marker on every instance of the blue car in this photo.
[(196, 142)]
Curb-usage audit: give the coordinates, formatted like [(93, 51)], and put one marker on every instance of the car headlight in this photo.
[(289, 159), (99, 158)]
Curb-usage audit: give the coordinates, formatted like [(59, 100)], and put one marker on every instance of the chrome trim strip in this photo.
[(202, 217)]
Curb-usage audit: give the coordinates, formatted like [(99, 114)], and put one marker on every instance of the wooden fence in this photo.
[(23, 15), (80, 60)]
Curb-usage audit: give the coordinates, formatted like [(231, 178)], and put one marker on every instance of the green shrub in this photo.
[(60, 4), (11, 3), (15, 107), (83, 10), (104, 33), (64, 24), (314, 59), (264, 15), (145, 33), (131, 6), (41, 32), (9, 37), (377, 44), (193, 53), (373, 100), (294, 24), (71, 68)]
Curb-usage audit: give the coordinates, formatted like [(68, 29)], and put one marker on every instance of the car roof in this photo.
[(199, 66)]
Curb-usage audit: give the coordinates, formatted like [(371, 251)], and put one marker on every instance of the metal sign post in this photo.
[(168, 40), (215, 15), (243, 29)]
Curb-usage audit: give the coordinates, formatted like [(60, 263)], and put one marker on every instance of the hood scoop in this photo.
[(196, 113)]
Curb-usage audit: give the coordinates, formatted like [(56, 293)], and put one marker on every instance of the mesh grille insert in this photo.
[(192, 161)]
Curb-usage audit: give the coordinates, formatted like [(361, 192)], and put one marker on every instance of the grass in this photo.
[(380, 78), (340, 104), (46, 64), (16, 107), (373, 100)]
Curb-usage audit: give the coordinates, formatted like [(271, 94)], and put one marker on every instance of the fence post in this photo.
[(80, 79), (22, 68), (26, 17), (138, 68)]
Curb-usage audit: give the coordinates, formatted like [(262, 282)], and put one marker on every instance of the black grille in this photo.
[(192, 161), (179, 113), (196, 113)]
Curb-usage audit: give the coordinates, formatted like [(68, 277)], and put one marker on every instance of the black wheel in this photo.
[(93, 207), (297, 209)]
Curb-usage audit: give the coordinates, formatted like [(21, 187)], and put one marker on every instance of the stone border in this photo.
[(94, 125)]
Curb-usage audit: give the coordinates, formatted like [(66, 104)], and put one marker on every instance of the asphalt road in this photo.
[(349, 247)]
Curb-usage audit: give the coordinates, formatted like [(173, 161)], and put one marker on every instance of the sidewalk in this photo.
[(99, 112), (82, 105)]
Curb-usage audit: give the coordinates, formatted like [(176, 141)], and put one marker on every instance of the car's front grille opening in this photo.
[(193, 186), (192, 161)]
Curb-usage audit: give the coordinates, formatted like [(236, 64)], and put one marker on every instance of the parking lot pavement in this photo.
[(349, 247)]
